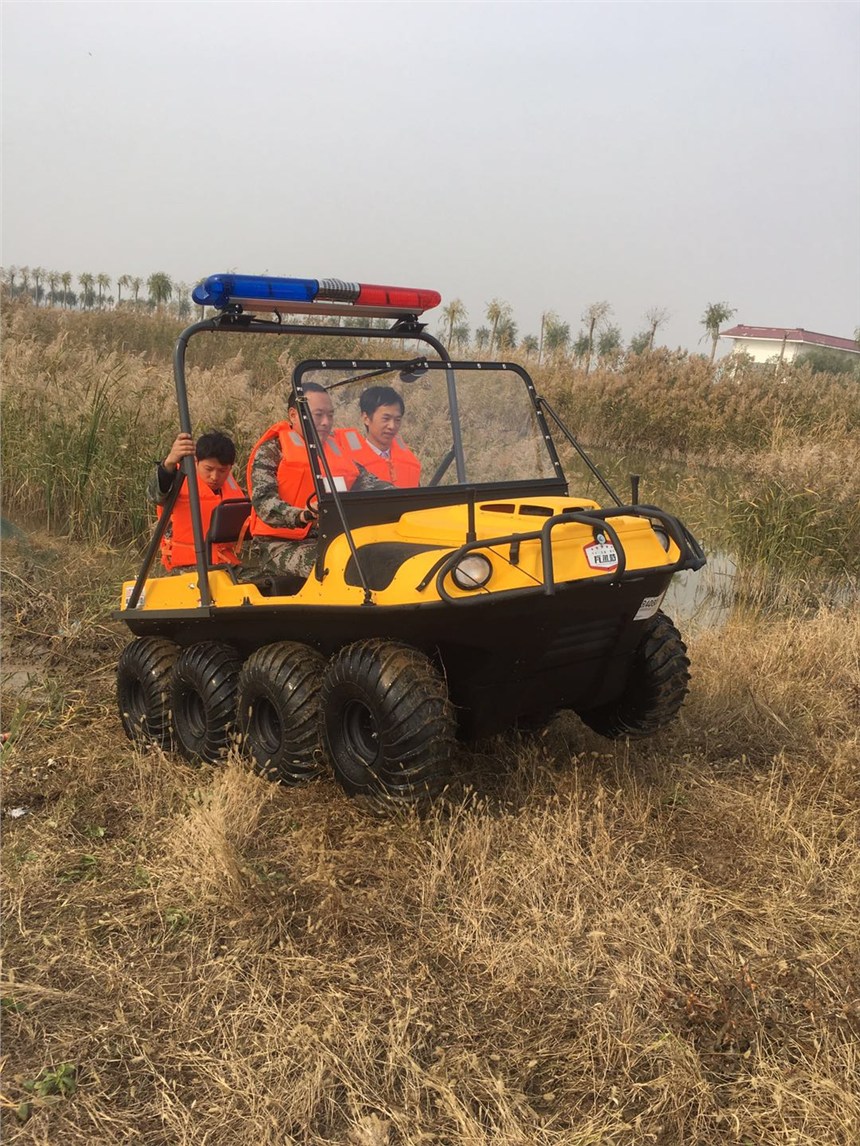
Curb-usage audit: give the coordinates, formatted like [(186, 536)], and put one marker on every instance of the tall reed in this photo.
[(678, 404), (88, 406)]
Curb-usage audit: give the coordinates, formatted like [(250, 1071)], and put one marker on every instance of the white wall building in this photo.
[(769, 343)]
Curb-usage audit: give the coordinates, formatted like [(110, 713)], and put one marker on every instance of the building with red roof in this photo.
[(765, 343)]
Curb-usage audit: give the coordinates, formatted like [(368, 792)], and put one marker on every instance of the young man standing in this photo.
[(215, 455), (381, 452)]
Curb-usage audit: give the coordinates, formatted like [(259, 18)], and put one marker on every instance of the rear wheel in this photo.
[(203, 694), (279, 710), (143, 690), (655, 689), (388, 725)]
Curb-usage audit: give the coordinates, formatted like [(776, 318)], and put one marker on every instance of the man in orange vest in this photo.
[(381, 452), (281, 486), (215, 455)]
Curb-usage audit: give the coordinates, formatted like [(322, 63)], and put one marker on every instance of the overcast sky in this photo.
[(550, 155)]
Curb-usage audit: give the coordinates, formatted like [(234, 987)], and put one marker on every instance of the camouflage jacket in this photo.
[(264, 489), (154, 491)]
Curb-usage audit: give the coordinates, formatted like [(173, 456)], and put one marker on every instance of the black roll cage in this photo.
[(233, 321)]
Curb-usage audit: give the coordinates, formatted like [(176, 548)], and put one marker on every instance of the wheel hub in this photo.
[(265, 727), (360, 732)]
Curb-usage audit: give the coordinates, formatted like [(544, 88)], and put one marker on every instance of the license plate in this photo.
[(601, 555)]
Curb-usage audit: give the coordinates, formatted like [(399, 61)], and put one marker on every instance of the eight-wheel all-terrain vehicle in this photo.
[(487, 597)]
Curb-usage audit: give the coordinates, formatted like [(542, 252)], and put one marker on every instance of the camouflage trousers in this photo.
[(277, 556)]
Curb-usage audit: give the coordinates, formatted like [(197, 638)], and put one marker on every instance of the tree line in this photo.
[(95, 291), (598, 338)]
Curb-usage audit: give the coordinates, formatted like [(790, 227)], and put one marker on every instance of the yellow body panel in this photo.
[(445, 528)]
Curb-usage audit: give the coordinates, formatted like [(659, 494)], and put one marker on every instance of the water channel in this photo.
[(704, 497)]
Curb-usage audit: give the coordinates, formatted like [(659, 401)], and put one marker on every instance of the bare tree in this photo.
[(655, 316), (597, 313)]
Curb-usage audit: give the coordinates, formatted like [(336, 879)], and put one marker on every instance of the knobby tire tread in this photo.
[(655, 690), (410, 705), (144, 673), (211, 670), (287, 676)]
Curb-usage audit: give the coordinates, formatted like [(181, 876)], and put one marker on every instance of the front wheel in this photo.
[(203, 693), (655, 688), (388, 725)]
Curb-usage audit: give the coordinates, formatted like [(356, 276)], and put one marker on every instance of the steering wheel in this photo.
[(442, 468)]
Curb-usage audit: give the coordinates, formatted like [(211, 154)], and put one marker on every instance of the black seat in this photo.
[(227, 520)]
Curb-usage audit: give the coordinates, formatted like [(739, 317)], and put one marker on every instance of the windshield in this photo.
[(395, 420)]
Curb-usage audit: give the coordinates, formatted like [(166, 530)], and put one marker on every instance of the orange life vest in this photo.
[(402, 468), (178, 548), (295, 481)]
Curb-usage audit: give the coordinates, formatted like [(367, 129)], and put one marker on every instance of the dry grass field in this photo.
[(586, 944)]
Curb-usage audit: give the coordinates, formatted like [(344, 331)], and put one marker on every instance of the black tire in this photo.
[(203, 696), (655, 688), (388, 726), (143, 677), (279, 711)]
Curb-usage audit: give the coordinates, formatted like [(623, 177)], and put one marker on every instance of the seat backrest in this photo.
[(227, 520)]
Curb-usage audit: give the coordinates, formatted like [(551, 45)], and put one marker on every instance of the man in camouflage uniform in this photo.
[(273, 555), (282, 555), (276, 555)]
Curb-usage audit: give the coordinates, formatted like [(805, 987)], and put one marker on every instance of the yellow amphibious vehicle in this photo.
[(490, 595)]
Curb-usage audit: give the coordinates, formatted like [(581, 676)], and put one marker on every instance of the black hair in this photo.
[(217, 446), (307, 388), (375, 396)]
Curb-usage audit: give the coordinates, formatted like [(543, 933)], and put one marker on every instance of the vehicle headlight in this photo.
[(472, 571), (662, 536)]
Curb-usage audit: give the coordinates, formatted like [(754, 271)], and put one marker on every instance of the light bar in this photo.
[(304, 296)]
